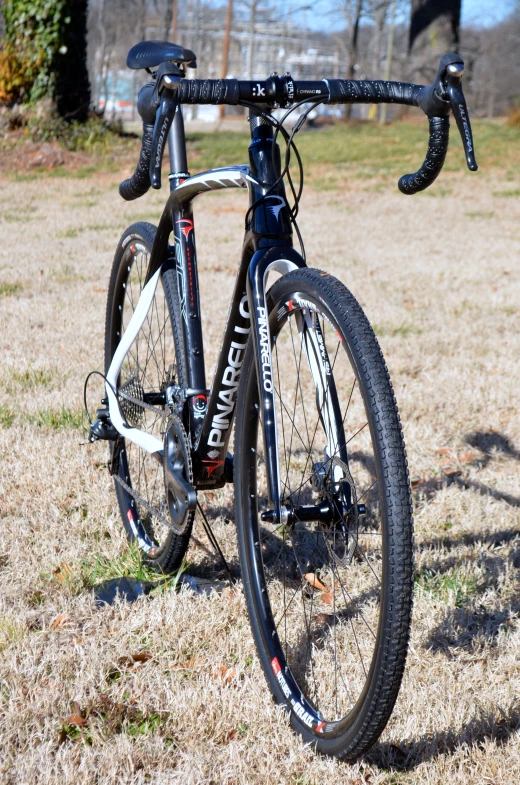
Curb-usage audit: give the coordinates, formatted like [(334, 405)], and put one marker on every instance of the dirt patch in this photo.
[(19, 154)]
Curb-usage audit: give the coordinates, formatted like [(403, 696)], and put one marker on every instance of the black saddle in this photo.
[(148, 54)]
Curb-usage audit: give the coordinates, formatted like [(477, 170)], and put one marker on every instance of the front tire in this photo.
[(329, 604), (155, 360)]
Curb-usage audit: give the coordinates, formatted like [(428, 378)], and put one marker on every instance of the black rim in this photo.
[(148, 368), (323, 580)]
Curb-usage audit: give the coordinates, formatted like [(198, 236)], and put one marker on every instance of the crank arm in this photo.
[(182, 496)]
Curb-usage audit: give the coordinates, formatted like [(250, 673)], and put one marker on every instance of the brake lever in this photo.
[(454, 73), (165, 92)]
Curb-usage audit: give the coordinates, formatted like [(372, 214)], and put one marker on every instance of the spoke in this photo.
[(319, 414), (294, 410), (335, 644), (299, 384), (139, 370), (287, 606), (290, 420), (150, 345), (283, 424), (307, 624), (367, 490), (129, 295), (346, 594)]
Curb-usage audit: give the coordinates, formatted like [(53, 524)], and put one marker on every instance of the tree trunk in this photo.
[(225, 54), (444, 15), (252, 27), (72, 87), (99, 60), (45, 49), (389, 56), (352, 47)]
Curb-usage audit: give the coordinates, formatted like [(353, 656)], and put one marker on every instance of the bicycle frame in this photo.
[(267, 246)]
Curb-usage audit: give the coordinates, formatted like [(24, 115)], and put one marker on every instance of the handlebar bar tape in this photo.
[(348, 91), (209, 91), (139, 183), (434, 161)]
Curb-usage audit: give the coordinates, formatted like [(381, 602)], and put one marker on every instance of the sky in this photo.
[(322, 16)]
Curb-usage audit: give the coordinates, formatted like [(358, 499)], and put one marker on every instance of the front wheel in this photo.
[(329, 590)]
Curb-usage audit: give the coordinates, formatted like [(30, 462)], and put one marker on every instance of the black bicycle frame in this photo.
[(267, 246)]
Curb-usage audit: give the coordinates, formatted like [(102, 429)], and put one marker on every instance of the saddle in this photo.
[(149, 54)]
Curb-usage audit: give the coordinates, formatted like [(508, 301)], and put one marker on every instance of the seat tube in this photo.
[(177, 150)]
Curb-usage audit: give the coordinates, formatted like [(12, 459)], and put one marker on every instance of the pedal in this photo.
[(102, 428)]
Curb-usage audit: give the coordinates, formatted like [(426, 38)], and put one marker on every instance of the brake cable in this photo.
[(289, 140)]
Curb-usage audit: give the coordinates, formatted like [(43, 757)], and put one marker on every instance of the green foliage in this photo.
[(93, 136), (455, 585), (7, 417), (7, 289), (368, 150), (30, 377), (57, 419), (33, 35), (44, 54), (128, 564)]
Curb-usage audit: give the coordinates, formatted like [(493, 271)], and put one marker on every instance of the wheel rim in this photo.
[(324, 582), (148, 368)]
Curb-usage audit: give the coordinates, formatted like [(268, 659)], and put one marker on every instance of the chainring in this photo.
[(181, 497)]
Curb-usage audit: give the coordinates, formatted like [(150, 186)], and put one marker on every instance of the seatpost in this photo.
[(177, 151)]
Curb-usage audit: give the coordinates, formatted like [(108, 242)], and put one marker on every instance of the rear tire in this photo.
[(329, 604), (156, 359)]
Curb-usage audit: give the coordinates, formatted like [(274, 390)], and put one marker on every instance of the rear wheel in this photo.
[(329, 591), (155, 361)]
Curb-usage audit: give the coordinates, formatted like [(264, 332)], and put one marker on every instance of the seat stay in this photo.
[(146, 441)]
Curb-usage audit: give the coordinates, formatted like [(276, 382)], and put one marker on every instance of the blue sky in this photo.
[(322, 16)]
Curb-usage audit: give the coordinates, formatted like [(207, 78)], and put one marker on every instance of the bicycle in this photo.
[(322, 495)]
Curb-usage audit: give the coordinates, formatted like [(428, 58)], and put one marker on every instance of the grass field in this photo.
[(168, 689)]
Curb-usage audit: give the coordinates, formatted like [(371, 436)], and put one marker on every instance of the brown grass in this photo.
[(439, 276)]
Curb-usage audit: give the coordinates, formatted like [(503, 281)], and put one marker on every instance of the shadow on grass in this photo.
[(468, 627), (429, 488), (493, 445), (497, 726)]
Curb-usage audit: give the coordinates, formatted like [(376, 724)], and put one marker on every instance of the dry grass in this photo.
[(439, 276)]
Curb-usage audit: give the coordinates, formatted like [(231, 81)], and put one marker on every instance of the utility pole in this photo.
[(389, 55), (253, 5), (173, 37), (225, 53)]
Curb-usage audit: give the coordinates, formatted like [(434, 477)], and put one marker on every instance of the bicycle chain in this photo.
[(138, 402), (143, 502), (152, 510)]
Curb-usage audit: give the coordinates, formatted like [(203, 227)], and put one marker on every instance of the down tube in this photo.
[(210, 455)]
